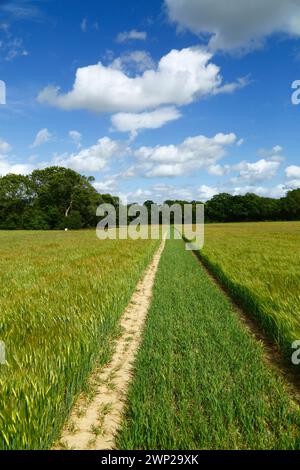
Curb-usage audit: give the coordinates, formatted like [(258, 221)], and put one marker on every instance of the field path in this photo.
[(201, 380), (94, 425)]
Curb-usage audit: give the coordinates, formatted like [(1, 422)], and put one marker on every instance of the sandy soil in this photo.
[(94, 424)]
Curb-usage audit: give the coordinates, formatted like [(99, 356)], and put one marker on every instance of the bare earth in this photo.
[(94, 425)]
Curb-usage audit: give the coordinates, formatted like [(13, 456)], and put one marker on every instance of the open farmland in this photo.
[(259, 264), (201, 381), (60, 301)]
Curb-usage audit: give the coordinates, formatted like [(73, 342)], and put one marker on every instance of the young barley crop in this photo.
[(259, 264), (200, 379), (60, 300)]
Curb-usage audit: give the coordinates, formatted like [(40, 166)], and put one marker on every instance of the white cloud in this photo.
[(181, 77), (109, 184), (76, 137), (134, 61), (274, 192), (42, 137), (218, 170), (293, 175), (236, 24), (207, 192), (14, 168), (275, 154), (293, 172), (130, 122), (132, 35), (5, 147), (194, 153), (293, 184), (253, 172), (6, 166), (162, 192), (94, 158)]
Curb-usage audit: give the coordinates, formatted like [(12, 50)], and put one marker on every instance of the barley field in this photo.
[(259, 264), (60, 300), (200, 380)]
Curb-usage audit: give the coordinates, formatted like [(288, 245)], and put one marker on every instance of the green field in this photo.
[(200, 378), (60, 300), (259, 264), (200, 381)]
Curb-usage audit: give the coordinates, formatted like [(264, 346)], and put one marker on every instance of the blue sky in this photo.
[(157, 100)]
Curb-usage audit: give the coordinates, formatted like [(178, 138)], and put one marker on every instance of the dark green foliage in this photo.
[(249, 208), (58, 198), (53, 198), (291, 205)]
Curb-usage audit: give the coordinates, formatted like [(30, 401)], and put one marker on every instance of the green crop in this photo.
[(200, 378), (259, 264), (60, 301)]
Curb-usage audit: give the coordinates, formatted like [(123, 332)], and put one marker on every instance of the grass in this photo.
[(200, 380), (259, 264), (60, 301)]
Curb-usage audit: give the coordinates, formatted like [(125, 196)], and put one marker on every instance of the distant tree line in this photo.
[(56, 198), (249, 208)]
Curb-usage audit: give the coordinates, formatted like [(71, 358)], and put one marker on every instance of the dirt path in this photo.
[(93, 425)]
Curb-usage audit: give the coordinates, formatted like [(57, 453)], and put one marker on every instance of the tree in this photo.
[(62, 191), (17, 193), (291, 205), (218, 208)]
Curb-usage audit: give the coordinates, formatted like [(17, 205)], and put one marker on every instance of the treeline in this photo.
[(249, 208), (56, 198)]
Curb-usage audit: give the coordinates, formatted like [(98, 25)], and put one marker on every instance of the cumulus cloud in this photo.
[(277, 191), (293, 172), (14, 168), (42, 137), (94, 158), (76, 137), (109, 184), (293, 184), (194, 153), (5, 147), (6, 166), (253, 172), (131, 122), (132, 35), (236, 24), (133, 61), (275, 154), (205, 193), (162, 192), (181, 77), (138, 196)]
